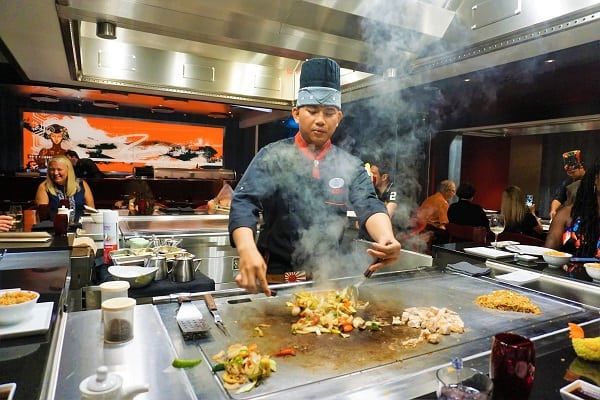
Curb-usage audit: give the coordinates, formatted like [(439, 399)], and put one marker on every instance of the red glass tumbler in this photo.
[(512, 366), (61, 224)]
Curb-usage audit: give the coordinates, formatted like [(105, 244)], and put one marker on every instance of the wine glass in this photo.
[(463, 384), (512, 366), (496, 226)]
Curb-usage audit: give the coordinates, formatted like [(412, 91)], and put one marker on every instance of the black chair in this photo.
[(521, 238), (466, 233)]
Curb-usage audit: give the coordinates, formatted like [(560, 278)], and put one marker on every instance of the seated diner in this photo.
[(62, 188), (518, 217)]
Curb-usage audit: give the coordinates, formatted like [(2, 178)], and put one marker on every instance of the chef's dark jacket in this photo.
[(560, 193), (304, 217)]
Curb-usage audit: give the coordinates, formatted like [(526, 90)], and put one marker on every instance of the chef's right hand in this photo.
[(253, 271)]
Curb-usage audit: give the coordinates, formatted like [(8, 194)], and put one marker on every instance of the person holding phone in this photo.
[(519, 217)]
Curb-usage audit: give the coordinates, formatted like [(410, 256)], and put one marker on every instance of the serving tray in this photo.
[(37, 323)]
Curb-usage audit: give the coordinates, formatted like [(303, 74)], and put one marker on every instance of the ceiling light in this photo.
[(219, 115), (106, 30), (550, 61), (467, 80), (390, 73), (46, 98), (106, 104), (162, 109), (266, 110)]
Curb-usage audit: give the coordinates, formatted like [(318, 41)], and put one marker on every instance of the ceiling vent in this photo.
[(106, 104), (45, 98), (162, 110), (106, 30)]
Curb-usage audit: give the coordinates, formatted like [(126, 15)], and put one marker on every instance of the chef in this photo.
[(303, 186)]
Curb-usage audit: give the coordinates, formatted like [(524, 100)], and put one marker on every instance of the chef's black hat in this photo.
[(319, 83), (320, 72)]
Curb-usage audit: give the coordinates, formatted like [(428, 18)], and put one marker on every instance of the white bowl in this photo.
[(138, 243), (137, 277), (14, 313), (566, 392), (593, 270), (556, 258)]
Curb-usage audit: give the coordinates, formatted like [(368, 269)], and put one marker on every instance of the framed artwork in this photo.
[(120, 144)]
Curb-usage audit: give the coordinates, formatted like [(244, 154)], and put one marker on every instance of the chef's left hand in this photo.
[(385, 253)]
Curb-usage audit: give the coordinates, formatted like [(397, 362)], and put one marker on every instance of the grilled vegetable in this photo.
[(287, 351), (244, 367), (186, 363)]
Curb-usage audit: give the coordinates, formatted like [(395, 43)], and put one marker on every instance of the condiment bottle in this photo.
[(117, 314)]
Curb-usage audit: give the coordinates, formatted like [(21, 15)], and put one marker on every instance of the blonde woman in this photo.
[(519, 218), (62, 187)]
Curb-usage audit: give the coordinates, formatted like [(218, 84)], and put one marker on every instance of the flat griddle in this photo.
[(329, 356)]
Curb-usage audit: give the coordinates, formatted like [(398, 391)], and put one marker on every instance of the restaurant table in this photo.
[(556, 365), (26, 360)]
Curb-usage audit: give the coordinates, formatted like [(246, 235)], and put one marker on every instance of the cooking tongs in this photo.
[(212, 306), (366, 275)]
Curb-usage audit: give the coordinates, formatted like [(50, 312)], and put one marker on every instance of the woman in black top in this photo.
[(519, 218)]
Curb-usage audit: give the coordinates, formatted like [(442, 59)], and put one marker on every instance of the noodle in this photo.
[(11, 298), (507, 300)]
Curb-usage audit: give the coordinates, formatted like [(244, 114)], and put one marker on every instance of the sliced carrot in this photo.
[(347, 328), (252, 347), (576, 332), (286, 351)]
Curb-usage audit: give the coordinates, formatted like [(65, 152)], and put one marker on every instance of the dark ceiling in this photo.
[(557, 85)]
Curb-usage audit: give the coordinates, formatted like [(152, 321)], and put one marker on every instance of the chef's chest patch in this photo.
[(336, 185)]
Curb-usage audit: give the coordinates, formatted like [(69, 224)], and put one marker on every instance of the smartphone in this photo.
[(529, 200), (584, 259)]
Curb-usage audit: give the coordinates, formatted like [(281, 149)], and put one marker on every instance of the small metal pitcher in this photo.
[(184, 268), (160, 262)]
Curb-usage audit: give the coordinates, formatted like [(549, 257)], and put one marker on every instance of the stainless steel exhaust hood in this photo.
[(248, 52)]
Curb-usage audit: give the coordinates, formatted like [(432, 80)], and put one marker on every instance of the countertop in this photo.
[(577, 274), (25, 360), (56, 243)]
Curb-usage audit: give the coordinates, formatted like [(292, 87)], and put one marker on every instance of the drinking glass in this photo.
[(512, 366), (496, 226), (17, 213), (61, 224), (463, 384)]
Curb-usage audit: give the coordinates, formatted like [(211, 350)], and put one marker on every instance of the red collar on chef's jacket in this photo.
[(315, 158)]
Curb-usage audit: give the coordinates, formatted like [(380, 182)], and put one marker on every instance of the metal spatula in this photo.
[(190, 321)]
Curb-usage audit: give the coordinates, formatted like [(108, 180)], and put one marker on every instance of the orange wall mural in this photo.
[(118, 144)]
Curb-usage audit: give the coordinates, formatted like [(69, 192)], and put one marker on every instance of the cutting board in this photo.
[(25, 236), (37, 323), (489, 253)]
